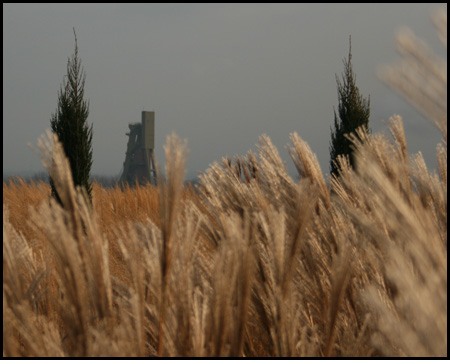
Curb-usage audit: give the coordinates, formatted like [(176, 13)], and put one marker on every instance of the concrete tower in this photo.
[(139, 163)]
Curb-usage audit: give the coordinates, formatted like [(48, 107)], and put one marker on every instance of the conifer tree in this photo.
[(69, 122), (354, 112)]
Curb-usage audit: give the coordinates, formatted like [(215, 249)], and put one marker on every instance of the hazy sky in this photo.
[(219, 75)]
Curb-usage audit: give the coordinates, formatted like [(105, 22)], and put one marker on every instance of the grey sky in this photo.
[(219, 75)]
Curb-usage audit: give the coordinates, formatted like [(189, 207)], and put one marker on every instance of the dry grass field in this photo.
[(252, 263)]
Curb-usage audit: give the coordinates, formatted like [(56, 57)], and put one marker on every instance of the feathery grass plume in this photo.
[(396, 225), (415, 267), (231, 285), (78, 249), (410, 251), (279, 210), (188, 278), (169, 198), (432, 191), (330, 283), (25, 331), (392, 156), (276, 293), (341, 275), (139, 284), (308, 166), (274, 177), (421, 76), (422, 79)]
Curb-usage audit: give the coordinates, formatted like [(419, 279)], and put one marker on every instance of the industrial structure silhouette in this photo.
[(139, 164)]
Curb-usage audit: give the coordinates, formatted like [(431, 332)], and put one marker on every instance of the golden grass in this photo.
[(256, 265), (253, 264)]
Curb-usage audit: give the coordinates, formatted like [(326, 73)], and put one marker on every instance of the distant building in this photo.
[(139, 163)]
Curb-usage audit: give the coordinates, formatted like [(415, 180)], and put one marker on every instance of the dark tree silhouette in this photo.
[(354, 112), (70, 124)]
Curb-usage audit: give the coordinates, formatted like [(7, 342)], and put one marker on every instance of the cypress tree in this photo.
[(69, 122), (354, 112)]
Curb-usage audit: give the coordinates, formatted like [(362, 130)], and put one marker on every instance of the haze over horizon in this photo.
[(218, 75)]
